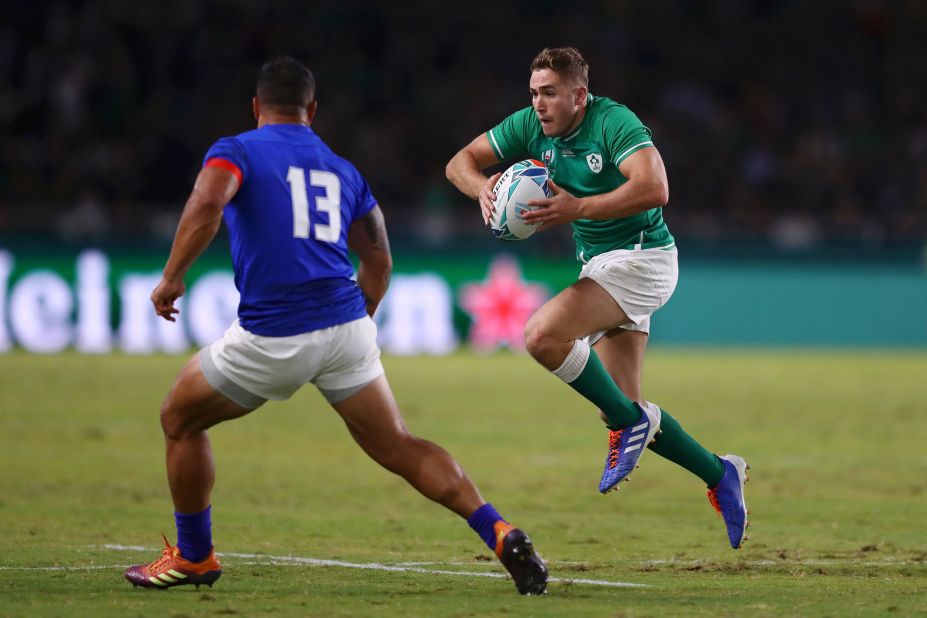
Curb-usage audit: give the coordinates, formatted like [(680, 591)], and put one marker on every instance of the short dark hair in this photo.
[(285, 83), (565, 61)]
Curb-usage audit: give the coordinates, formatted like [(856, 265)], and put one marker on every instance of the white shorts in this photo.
[(249, 369), (640, 281)]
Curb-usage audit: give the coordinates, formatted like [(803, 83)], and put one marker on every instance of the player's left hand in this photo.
[(562, 207), (164, 295)]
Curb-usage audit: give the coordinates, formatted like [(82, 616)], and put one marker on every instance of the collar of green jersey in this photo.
[(589, 99)]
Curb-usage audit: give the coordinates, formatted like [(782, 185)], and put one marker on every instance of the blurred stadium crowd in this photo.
[(789, 123)]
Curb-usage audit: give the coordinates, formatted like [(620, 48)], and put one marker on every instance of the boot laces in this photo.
[(168, 554), (614, 441)]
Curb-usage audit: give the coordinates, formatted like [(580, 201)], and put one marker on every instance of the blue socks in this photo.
[(194, 535), (483, 521), (194, 531)]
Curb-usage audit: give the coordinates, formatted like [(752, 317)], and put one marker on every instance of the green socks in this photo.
[(586, 374), (675, 444)]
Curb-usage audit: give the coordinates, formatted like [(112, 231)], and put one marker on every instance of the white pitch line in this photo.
[(376, 566), (433, 562), (414, 567), (96, 567)]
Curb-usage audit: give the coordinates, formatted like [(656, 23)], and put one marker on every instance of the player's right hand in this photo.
[(163, 298), (488, 198)]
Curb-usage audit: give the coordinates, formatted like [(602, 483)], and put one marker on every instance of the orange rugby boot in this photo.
[(518, 556), (171, 569)]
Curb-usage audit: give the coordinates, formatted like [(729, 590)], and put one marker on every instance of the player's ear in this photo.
[(310, 111), (255, 107), (581, 93)]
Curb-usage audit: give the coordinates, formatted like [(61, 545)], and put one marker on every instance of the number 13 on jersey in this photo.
[(329, 203)]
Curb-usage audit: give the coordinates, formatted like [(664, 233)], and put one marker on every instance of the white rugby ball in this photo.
[(518, 185)]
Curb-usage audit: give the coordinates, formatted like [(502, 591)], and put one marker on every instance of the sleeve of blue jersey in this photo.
[(365, 200), (231, 150)]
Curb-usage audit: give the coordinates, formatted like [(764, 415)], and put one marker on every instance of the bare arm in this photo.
[(465, 171), (646, 188), (202, 215), (367, 238)]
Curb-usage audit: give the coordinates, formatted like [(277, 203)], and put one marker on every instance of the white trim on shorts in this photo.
[(249, 369)]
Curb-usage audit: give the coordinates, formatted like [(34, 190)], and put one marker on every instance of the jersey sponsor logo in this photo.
[(594, 161)]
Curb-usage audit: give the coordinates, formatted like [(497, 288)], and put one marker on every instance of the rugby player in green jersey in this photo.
[(609, 183)]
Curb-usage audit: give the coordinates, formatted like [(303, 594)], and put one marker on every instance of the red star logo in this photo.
[(500, 306)]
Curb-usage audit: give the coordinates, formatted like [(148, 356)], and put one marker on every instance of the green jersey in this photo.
[(585, 163)]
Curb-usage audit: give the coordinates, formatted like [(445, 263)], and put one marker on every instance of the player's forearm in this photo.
[(373, 279), (635, 196), (198, 225), (464, 173)]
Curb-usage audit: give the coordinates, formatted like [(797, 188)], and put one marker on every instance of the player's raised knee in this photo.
[(169, 423), (539, 338), (174, 422)]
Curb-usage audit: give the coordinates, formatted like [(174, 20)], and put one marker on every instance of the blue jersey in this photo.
[(288, 226)]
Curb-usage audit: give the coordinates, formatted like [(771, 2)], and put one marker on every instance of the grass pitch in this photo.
[(837, 495)]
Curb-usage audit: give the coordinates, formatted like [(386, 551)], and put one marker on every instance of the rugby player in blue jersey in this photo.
[(293, 209)]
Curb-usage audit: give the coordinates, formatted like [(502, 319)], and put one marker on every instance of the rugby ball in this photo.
[(518, 185)]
